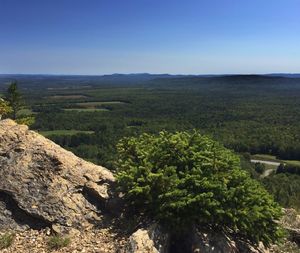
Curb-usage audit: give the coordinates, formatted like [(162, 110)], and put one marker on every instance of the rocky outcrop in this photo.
[(153, 239), (42, 184), (218, 242), (291, 223)]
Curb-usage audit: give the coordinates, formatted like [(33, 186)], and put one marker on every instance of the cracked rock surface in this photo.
[(42, 184)]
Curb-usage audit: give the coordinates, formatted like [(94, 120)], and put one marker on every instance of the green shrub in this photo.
[(184, 179), (259, 168), (28, 120), (4, 108), (57, 242), (6, 240)]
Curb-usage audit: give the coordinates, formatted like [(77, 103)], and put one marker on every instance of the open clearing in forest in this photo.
[(99, 103), (93, 106), (70, 87), (271, 162), (59, 97), (292, 162), (64, 132), (268, 158), (86, 110)]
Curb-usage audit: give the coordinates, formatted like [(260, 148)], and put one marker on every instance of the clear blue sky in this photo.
[(157, 36)]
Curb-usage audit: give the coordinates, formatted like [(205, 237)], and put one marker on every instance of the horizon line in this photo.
[(148, 73)]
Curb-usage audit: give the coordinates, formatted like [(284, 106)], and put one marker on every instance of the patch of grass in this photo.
[(293, 162), (57, 242), (65, 132), (6, 240), (67, 96), (264, 157), (95, 104), (272, 158), (86, 110)]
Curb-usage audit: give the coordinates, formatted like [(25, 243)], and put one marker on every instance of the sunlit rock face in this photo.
[(42, 184)]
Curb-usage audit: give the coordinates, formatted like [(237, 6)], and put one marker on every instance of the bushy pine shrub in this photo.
[(185, 179)]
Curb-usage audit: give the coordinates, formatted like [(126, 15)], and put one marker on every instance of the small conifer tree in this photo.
[(186, 179), (14, 98)]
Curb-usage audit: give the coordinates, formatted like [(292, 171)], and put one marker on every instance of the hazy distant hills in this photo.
[(48, 81), (286, 75), (141, 79)]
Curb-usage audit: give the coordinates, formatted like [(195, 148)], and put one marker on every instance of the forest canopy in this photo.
[(255, 114)]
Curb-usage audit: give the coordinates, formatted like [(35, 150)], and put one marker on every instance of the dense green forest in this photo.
[(246, 113)]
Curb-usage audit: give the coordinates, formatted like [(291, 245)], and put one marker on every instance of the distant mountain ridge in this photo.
[(135, 79), (291, 75), (145, 75)]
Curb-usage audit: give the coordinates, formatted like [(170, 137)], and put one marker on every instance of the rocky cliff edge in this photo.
[(44, 185)]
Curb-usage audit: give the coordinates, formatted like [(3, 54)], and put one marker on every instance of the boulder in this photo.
[(148, 240), (140, 242), (42, 184)]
